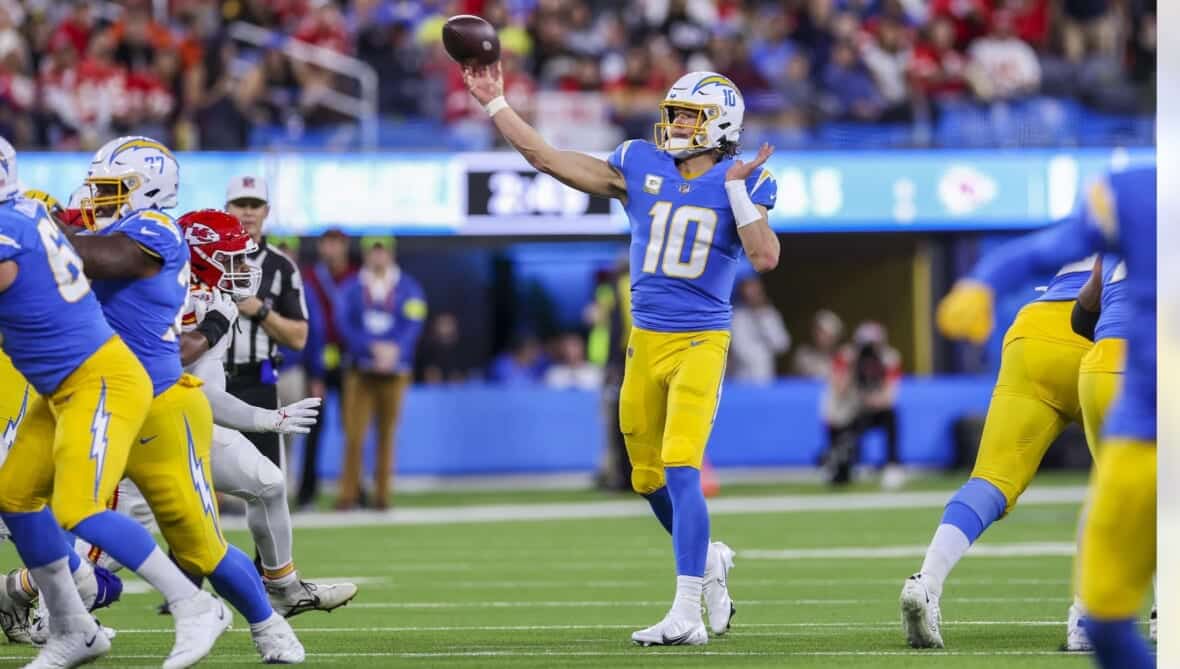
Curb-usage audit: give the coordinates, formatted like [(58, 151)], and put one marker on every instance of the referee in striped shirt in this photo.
[(277, 316)]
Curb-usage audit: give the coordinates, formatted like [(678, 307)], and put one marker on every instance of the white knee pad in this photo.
[(240, 470)]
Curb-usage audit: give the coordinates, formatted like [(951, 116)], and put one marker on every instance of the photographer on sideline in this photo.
[(862, 395)]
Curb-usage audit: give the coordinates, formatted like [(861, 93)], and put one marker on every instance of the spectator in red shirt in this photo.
[(862, 395), (77, 26), (324, 26), (938, 71), (970, 18)]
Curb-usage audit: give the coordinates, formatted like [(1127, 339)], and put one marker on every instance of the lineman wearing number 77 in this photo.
[(693, 209)]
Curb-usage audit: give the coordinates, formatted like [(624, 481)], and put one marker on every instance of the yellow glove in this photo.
[(967, 312)]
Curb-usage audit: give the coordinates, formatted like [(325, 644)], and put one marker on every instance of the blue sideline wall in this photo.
[(479, 429)]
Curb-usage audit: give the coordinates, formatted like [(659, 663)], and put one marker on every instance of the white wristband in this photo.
[(745, 211), (496, 105)]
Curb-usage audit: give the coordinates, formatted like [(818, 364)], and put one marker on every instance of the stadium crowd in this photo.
[(74, 74)]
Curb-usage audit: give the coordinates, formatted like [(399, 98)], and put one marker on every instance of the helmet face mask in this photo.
[(238, 277)]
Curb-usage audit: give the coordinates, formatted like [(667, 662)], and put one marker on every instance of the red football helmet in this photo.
[(218, 246)]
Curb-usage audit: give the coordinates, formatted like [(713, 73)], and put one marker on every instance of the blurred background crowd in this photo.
[(233, 74)]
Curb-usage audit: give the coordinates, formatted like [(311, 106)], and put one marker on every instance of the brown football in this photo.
[(471, 40)]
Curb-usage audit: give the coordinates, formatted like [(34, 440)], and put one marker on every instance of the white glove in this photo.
[(224, 305), (294, 418)]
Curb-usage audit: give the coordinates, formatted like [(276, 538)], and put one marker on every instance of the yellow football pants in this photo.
[(15, 396), (72, 448), (1035, 397), (1117, 558), (170, 466), (668, 401), (1099, 380)]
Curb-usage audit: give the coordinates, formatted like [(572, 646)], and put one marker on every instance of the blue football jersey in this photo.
[(147, 312), (1068, 281), (1120, 213), (49, 317), (685, 249), (1117, 215), (1115, 315)]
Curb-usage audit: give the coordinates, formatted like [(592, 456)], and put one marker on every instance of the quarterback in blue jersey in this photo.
[(1034, 399), (139, 261), (1118, 543), (694, 209), (76, 434)]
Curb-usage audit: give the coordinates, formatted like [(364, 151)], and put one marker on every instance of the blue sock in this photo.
[(110, 587), (661, 505), (1118, 644), (237, 581), (37, 536), (690, 534), (977, 505), (74, 558), (122, 538)]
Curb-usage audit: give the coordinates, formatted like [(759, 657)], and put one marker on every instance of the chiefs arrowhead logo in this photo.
[(199, 234)]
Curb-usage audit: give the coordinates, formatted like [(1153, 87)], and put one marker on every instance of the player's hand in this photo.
[(249, 306), (740, 171), (297, 418), (967, 312), (223, 303), (486, 82)]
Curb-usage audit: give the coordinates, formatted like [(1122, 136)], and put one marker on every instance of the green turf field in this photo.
[(815, 588)]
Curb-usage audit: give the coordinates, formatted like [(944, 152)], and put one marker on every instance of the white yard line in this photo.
[(636, 508), (740, 630), (1031, 549), (635, 653)]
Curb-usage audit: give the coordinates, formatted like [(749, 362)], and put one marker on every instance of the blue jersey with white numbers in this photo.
[(146, 312), (1118, 214), (685, 250), (49, 317), (1068, 281), (1114, 319)]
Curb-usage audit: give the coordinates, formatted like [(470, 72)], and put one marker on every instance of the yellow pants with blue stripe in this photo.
[(1099, 379), (72, 447), (1117, 556), (15, 397), (671, 385), (1035, 397), (170, 465)]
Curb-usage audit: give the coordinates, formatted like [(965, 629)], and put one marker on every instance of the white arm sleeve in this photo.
[(228, 411)]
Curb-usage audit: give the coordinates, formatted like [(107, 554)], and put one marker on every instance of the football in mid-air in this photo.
[(471, 40)]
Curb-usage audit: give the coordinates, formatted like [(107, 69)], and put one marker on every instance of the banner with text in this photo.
[(499, 194)]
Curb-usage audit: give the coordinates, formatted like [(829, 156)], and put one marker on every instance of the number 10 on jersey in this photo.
[(671, 236)]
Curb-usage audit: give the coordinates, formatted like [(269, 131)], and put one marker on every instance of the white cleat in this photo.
[(920, 615), (299, 596), (276, 642), (1076, 639), (72, 649), (199, 621), (673, 631), (715, 587), (1153, 625), (15, 615), (39, 624)]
